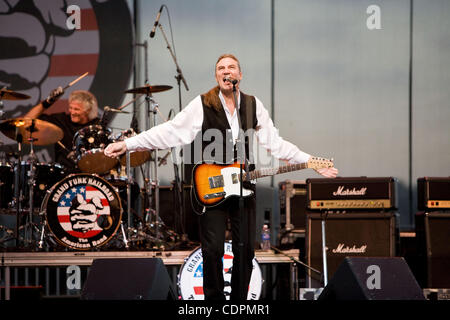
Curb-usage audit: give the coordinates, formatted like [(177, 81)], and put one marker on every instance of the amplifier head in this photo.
[(351, 193), (433, 193)]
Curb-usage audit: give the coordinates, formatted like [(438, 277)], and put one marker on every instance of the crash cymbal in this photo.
[(11, 95), (42, 132), (149, 89)]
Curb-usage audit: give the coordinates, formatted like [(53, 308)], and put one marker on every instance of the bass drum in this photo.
[(82, 211), (190, 277)]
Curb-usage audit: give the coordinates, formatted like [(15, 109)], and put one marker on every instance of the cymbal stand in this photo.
[(17, 188), (31, 181), (129, 181), (152, 108)]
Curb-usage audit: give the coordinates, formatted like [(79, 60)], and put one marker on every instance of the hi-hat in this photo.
[(12, 95), (42, 132), (147, 89)]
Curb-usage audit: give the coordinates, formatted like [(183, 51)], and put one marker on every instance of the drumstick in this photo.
[(75, 81), (121, 107), (63, 146)]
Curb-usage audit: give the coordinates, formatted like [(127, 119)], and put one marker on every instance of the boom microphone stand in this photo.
[(242, 158), (179, 77)]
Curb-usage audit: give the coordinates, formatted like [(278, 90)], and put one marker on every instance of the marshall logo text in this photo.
[(349, 192), (341, 248)]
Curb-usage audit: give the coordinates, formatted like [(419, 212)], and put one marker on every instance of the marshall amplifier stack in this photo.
[(433, 231), (360, 221)]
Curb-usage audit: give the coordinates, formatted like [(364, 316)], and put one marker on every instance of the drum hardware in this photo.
[(33, 132), (125, 240)]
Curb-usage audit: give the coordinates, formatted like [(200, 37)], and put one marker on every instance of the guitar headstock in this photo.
[(318, 163)]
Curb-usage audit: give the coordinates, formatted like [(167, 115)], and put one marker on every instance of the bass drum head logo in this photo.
[(190, 278), (83, 211)]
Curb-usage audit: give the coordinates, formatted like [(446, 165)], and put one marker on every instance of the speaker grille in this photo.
[(352, 234)]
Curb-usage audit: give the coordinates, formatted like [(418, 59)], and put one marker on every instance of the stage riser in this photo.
[(63, 275)]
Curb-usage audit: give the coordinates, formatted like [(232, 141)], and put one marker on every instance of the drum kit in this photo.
[(80, 211)]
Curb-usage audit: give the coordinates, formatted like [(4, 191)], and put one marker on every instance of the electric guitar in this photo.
[(214, 183)]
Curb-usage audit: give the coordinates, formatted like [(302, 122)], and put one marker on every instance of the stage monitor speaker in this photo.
[(128, 279), (369, 234), (433, 236), (367, 278)]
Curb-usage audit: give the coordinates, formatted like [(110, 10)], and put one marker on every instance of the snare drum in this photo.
[(82, 211), (190, 277), (89, 144), (137, 158)]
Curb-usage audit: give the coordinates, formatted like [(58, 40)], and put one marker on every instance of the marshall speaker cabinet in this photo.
[(358, 193), (433, 193), (361, 234), (433, 241)]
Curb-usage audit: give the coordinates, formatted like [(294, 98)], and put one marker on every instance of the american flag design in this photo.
[(190, 278), (88, 193)]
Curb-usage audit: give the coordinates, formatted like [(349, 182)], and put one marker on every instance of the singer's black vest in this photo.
[(215, 118)]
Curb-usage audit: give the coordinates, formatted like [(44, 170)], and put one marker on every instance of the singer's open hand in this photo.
[(115, 149), (328, 172)]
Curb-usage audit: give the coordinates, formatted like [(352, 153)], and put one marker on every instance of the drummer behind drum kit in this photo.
[(82, 211)]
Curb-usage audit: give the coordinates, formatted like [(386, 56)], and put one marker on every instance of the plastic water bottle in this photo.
[(265, 238)]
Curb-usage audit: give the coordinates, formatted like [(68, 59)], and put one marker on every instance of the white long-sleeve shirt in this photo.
[(184, 127)]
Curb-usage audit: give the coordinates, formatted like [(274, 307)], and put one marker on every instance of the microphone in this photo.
[(152, 33), (231, 80), (109, 109)]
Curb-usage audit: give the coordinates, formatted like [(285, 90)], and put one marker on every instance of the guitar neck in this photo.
[(267, 172)]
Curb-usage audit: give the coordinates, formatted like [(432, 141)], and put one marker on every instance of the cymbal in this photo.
[(42, 132), (12, 95), (149, 89)]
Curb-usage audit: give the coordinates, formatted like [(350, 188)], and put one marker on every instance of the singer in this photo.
[(82, 112), (216, 111)]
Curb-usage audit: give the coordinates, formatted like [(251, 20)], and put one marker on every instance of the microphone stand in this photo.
[(179, 77), (294, 288), (242, 158), (324, 251)]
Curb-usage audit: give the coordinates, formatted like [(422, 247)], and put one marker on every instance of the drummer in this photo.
[(82, 112)]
